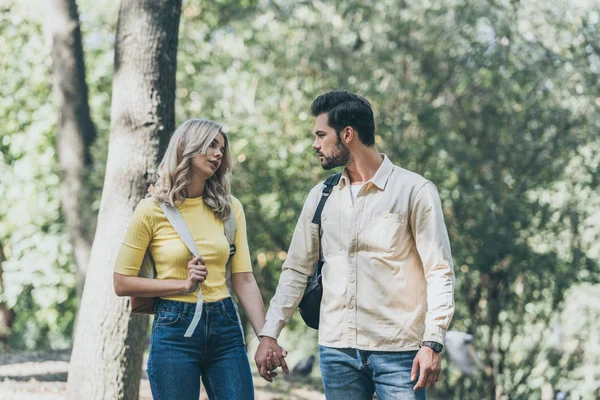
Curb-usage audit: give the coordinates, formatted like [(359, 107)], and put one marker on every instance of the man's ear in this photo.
[(348, 134)]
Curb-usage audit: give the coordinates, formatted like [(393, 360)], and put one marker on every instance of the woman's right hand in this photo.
[(196, 273)]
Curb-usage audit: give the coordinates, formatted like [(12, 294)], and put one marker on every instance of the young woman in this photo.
[(194, 176)]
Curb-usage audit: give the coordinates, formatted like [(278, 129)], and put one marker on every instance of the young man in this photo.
[(388, 280)]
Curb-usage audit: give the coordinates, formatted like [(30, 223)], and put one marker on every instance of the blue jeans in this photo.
[(215, 352), (357, 374)]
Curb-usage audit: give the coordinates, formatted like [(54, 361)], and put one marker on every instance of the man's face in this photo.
[(330, 149)]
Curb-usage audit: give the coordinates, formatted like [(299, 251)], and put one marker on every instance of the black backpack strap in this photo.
[(330, 182)]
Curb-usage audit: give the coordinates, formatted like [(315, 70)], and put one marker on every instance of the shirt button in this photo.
[(351, 306), (325, 217), (386, 216), (349, 230), (351, 280), (351, 255)]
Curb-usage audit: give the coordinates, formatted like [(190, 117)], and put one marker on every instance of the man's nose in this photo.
[(315, 145)]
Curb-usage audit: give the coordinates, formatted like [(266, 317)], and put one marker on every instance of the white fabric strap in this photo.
[(175, 218), (230, 227)]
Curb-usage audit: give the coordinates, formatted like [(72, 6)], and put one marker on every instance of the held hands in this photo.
[(427, 364), (270, 356), (196, 273)]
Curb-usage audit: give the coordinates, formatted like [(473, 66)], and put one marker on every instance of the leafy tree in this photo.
[(109, 341), (75, 131)]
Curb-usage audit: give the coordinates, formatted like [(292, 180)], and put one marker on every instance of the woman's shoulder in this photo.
[(236, 207), (147, 208), (235, 203)]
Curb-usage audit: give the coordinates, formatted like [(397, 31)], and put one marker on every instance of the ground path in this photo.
[(43, 375)]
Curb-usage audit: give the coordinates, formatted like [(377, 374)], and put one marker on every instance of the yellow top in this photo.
[(150, 229)]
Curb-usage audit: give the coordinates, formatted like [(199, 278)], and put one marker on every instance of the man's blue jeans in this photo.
[(215, 352), (351, 374)]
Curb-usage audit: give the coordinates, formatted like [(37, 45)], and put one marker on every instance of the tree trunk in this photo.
[(74, 131), (109, 342)]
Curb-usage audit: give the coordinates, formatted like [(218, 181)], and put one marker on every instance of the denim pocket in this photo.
[(231, 314), (166, 318)]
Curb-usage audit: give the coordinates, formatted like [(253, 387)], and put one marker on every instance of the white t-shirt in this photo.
[(354, 189)]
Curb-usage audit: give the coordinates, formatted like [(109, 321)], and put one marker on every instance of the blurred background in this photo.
[(496, 102)]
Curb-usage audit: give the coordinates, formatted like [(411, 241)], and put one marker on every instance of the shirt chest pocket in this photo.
[(330, 239), (385, 231)]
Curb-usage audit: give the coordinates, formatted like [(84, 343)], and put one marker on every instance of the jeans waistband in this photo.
[(186, 308)]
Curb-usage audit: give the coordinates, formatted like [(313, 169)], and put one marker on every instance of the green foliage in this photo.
[(495, 102), (37, 272)]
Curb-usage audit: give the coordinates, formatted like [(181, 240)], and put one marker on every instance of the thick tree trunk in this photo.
[(109, 342), (75, 130)]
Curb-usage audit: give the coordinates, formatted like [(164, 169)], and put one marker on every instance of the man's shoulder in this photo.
[(315, 193), (318, 188), (408, 178)]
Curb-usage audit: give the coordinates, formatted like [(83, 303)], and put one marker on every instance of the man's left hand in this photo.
[(427, 364)]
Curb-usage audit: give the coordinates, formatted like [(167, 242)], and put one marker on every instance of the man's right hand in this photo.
[(268, 357)]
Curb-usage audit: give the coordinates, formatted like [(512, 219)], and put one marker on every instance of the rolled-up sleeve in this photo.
[(433, 246), (298, 266)]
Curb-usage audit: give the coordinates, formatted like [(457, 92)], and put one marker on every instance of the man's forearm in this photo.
[(287, 297), (440, 302)]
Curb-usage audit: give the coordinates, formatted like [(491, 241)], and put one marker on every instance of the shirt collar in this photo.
[(380, 178)]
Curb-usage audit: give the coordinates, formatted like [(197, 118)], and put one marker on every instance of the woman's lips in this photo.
[(214, 165)]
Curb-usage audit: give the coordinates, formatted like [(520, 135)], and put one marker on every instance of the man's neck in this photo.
[(363, 165)]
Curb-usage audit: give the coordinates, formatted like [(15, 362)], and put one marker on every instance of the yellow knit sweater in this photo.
[(150, 229)]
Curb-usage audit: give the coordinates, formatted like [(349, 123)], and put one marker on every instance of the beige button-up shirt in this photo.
[(388, 279)]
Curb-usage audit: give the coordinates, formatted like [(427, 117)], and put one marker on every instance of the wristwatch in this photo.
[(435, 346)]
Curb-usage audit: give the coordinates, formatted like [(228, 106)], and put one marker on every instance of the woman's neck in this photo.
[(195, 188)]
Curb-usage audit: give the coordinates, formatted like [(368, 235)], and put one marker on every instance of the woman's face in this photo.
[(205, 165)]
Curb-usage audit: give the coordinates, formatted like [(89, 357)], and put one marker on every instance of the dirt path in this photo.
[(43, 376)]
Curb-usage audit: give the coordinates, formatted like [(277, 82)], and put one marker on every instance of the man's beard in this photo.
[(338, 158)]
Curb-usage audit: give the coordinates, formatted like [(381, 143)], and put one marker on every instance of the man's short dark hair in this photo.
[(344, 109)]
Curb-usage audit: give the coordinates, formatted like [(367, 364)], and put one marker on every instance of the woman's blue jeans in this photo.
[(351, 374), (215, 352)]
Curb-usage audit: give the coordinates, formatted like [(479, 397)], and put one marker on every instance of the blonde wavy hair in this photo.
[(194, 137)]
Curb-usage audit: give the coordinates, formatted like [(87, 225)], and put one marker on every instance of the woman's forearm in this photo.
[(246, 289), (143, 287)]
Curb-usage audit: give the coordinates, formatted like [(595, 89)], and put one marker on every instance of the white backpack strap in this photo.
[(230, 227), (175, 218)]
